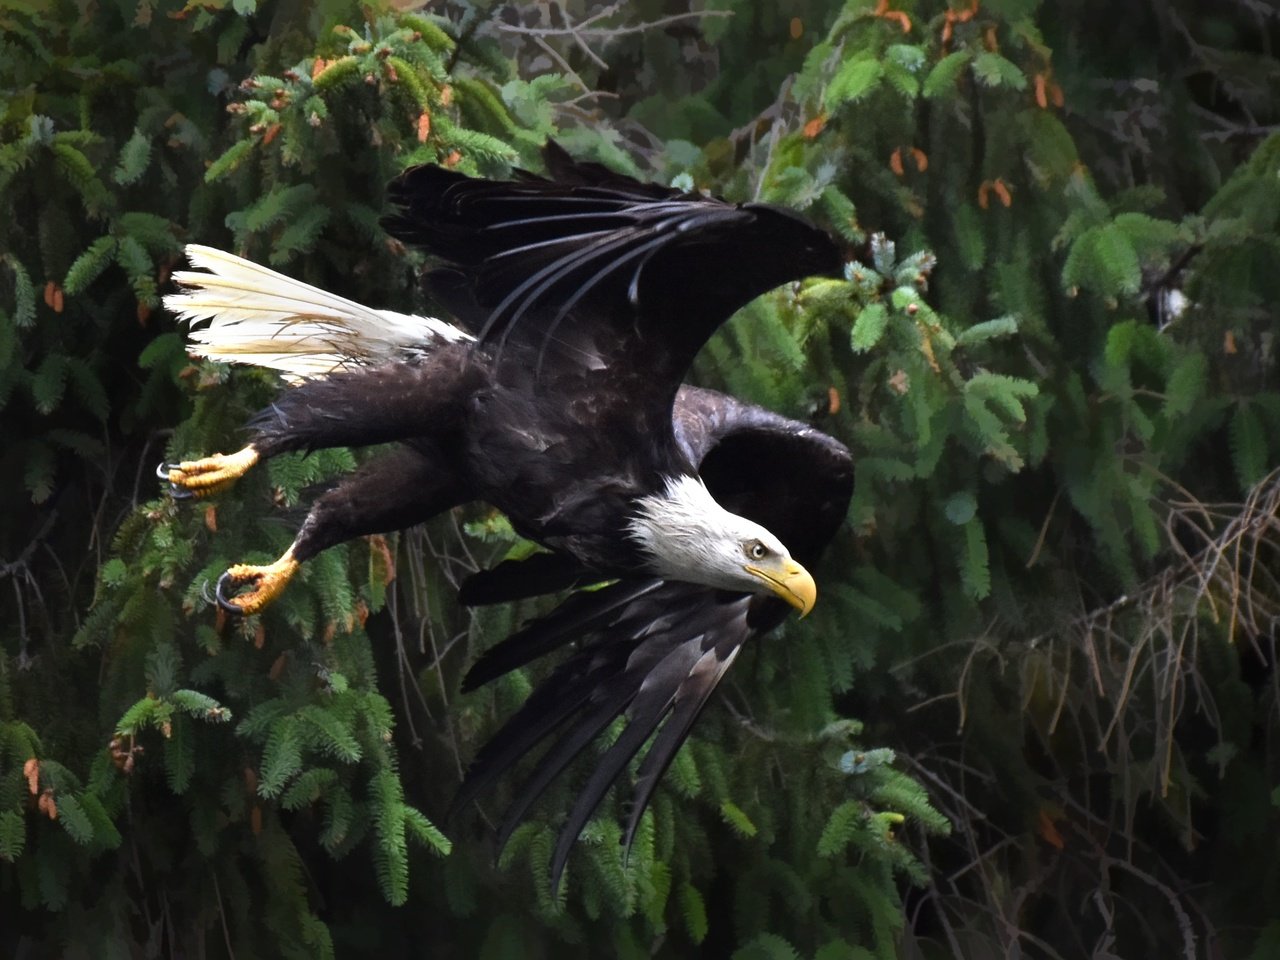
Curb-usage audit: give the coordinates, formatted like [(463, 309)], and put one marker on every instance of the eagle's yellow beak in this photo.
[(788, 580)]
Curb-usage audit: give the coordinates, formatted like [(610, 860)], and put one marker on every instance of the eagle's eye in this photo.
[(755, 549)]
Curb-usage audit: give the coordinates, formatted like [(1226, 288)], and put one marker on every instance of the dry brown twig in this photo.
[(583, 33), (1223, 571), (1119, 678)]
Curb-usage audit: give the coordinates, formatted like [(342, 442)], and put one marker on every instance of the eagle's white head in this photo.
[(690, 537)]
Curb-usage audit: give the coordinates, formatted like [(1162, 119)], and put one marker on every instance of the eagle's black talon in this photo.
[(164, 472), (224, 598), (264, 585), (205, 595)]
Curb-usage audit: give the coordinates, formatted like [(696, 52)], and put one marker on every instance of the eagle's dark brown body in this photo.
[(590, 295), (565, 473)]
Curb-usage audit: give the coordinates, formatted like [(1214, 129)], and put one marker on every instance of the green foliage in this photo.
[(1034, 597), (1028, 481), (738, 821), (13, 835), (869, 327), (111, 156), (694, 910), (853, 81), (767, 946)]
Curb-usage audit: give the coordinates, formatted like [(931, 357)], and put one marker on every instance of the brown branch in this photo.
[(609, 33)]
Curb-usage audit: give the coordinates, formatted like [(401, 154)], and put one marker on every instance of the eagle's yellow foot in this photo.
[(202, 478), (268, 583)]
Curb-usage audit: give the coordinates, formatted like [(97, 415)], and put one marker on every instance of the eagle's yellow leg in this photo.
[(202, 478), (267, 583)]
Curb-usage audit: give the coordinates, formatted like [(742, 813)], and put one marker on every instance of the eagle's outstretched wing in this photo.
[(655, 650), (592, 268)]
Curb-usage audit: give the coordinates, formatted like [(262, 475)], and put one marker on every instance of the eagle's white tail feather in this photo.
[(261, 317)]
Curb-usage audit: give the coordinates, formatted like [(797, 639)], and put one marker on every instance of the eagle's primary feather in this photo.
[(584, 297)]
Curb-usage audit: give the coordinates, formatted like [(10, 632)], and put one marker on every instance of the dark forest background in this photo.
[(1035, 712)]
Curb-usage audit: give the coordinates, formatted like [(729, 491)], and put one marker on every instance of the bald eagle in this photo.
[(653, 649), (581, 299)]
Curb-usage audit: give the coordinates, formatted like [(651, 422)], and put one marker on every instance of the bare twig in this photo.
[(222, 915), (563, 64), (1184, 921), (586, 28)]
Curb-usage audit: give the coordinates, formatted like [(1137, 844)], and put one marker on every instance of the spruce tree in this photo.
[(1032, 710)]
